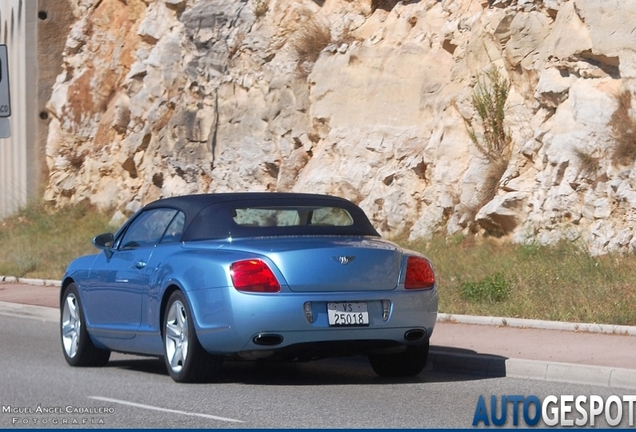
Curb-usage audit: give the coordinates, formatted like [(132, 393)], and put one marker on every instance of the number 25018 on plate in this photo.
[(347, 314)]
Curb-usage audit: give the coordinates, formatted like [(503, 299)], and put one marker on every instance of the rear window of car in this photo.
[(291, 216), (278, 216)]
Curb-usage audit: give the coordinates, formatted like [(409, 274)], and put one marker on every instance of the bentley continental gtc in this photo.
[(200, 279)]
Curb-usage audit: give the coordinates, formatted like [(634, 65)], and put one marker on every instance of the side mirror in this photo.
[(105, 242)]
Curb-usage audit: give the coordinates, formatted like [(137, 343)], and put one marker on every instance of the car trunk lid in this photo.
[(333, 264)]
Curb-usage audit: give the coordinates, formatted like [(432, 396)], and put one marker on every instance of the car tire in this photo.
[(185, 358), (405, 364), (77, 346)]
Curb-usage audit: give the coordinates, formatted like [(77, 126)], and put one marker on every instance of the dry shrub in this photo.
[(75, 157), (260, 8), (623, 127), (488, 191), (310, 40), (589, 163), (494, 173)]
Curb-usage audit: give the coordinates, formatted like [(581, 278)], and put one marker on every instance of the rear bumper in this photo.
[(229, 322), (324, 347), (306, 351)]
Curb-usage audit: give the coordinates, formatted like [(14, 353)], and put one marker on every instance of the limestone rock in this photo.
[(502, 215), (167, 97)]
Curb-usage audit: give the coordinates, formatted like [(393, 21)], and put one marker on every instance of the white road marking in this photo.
[(150, 407)]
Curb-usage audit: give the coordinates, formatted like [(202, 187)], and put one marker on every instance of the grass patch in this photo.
[(39, 242), (560, 283), (491, 289)]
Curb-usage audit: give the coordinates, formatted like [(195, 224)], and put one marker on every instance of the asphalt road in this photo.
[(135, 392)]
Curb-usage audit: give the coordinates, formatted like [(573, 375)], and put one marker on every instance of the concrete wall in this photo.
[(13, 151), (35, 32)]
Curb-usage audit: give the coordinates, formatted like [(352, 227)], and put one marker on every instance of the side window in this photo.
[(147, 228), (175, 229)]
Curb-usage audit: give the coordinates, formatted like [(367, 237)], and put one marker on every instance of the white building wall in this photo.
[(17, 32)]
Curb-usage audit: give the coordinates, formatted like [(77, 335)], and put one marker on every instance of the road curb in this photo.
[(29, 281), (496, 366), (538, 324)]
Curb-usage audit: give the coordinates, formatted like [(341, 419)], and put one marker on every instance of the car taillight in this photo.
[(419, 274), (253, 276)]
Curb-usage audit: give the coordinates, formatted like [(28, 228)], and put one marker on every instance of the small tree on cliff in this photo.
[(489, 100), (493, 140)]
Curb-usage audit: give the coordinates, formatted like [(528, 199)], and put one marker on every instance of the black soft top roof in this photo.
[(209, 216)]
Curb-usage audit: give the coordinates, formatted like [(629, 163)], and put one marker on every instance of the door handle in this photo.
[(140, 264)]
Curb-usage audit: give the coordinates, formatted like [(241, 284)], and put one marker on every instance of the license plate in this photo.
[(347, 314)]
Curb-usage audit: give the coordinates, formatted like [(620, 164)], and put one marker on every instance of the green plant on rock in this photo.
[(489, 101)]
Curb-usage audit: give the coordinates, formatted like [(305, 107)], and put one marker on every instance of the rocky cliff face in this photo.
[(371, 100)]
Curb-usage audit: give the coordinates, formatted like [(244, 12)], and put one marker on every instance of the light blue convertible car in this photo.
[(257, 276)]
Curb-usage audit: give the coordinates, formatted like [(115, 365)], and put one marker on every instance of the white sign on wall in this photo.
[(5, 98)]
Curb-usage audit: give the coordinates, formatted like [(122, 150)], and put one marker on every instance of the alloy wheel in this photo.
[(71, 325), (177, 336)]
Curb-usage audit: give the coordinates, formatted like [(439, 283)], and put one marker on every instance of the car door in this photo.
[(119, 280)]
